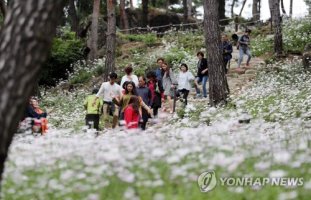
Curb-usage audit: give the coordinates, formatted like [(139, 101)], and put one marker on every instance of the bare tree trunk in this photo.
[(185, 8), (3, 8), (94, 30), (291, 9), (73, 17), (189, 8), (25, 40), (111, 39), (124, 20), (244, 2), (232, 8), (145, 11), (256, 13), (277, 26), (131, 5), (218, 86), (222, 11), (259, 7), (283, 8)]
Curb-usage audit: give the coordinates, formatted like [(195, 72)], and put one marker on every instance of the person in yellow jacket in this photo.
[(93, 111)]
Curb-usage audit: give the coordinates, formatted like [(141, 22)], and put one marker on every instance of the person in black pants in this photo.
[(184, 81), (227, 51), (144, 92), (157, 92)]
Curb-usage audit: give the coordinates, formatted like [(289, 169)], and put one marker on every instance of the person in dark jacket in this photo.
[(33, 110), (202, 75), (243, 46), (227, 51), (157, 92), (144, 92)]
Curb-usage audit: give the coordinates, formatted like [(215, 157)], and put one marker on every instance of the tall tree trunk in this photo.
[(283, 8), (222, 11), (243, 5), (277, 26), (189, 8), (185, 9), (25, 40), (94, 30), (259, 8), (131, 5), (111, 39), (256, 13), (73, 17), (218, 86), (124, 20), (3, 8), (232, 8), (291, 8), (145, 11)]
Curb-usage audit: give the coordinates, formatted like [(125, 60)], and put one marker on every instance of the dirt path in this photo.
[(240, 79)]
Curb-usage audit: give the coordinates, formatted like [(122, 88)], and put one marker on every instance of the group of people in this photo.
[(136, 99)]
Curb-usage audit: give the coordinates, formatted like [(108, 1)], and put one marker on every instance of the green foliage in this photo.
[(99, 70), (140, 71), (190, 41), (181, 113), (83, 77), (149, 39), (174, 56), (297, 33), (261, 45), (66, 49)]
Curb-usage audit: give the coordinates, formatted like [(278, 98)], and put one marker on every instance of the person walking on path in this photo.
[(158, 71), (132, 113), (157, 92), (244, 48), (93, 111), (145, 94), (169, 84), (129, 76), (184, 82), (202, 74), (108, 91), (227, 51), (130, 90)]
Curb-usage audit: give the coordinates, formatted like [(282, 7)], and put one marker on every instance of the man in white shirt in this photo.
[(108, 91)]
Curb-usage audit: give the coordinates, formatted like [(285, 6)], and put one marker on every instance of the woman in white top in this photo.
[(184, 79), (129, 76)]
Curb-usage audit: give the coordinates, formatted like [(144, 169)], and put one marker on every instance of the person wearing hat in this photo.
[(244, 43), (93, 111)]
